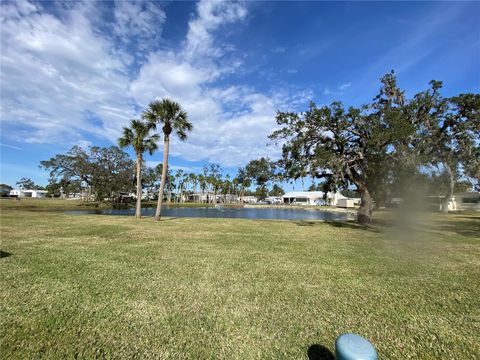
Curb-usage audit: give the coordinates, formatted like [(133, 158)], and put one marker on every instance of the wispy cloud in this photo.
[(185, 169), (231, 123), (419, 44), (338, 90), (56, 70), (138, 23), (66, 80), (211, 15), (11, 146)]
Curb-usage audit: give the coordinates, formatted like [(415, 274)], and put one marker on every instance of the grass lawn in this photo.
[(116, 287), (61, 204)]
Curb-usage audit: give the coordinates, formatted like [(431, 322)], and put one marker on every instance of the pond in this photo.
[(240, 213)]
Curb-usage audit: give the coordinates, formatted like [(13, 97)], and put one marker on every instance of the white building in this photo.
[(463, 201), (346, 203), (312, 198), (468, 201), (274, 200), (28, 193), (250, 199)]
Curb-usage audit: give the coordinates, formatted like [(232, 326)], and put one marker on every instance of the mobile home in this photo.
[(28, 193)]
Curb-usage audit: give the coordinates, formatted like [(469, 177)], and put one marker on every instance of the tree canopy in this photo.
[(27, 184), (448, 135), (103, 172), (380, 145)]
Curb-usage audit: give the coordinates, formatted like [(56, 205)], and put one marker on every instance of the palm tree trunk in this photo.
[(138, 208), (164, 177)]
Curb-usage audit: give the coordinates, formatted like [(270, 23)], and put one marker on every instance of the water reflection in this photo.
[(240, 213)]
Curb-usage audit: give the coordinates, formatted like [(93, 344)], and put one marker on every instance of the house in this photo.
[(274, 200), (250, 199), (346, 203), (125, 197), (312, 198), (464, 201), (458, 202), (28, 193)]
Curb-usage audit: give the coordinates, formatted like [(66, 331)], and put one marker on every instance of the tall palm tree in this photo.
[(170, 115), (178, 184), (138, 137), (192, 178)]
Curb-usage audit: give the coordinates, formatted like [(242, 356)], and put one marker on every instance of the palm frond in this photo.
[(182, 125), (170, 114), (151, 144), (137, 136), (127, 138)]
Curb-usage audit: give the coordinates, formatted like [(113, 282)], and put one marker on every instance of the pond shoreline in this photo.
[(304, 207), (251, 213), (68, 204)]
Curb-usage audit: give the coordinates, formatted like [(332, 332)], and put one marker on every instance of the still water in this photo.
[(241, 213)]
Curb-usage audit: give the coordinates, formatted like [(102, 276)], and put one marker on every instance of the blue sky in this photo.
[(76, 72)]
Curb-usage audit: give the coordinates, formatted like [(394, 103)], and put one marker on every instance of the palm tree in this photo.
[(192, 178), (172, 118), (203, 184), (138, 137), (178, 185)]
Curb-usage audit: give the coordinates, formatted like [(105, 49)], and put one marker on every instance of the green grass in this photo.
[(48, 204), (116, 287), (56, 204)]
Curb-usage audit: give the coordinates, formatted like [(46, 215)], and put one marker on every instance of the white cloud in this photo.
[(231, 123), (63, 80), (339, 90), (211, 15), (138, 23), (327, 91), (54, 71)]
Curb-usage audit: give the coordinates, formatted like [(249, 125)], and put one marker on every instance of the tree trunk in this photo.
[(451, 185), (138, 208), (365, 211), (164, 177)]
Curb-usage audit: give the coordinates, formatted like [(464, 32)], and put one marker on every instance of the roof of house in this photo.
[(30, 190), (467, 193), (314, 194), (310, 194)]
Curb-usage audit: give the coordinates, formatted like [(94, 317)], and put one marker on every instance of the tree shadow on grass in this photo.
[(319, 352), (4, 254), (304, 223), (352, 225), (338, 224), (468, 228), (168, 219)]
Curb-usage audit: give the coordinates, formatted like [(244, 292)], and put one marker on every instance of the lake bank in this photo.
[(303, 207), (67, 204), (221, 212)]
